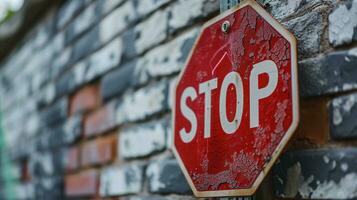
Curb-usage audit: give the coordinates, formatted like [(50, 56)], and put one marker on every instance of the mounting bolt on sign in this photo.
[(236, 102)]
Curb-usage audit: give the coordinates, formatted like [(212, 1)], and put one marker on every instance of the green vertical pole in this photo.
[(6, 179)]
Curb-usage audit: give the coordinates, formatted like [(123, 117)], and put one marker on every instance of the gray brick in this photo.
[(282, 9), (166, 59), (96, 65), (109, 5), (128, 177), (308, 30), (81, 23), (68, 11), (117, 81), (143, 103), (56, 113), (343, 23), (41, 164), (60, 62), (317, 174), (166, 177), (117, 21), (145, 7), (85, 45), (48, 188), (179, 17), (343, 113), (143, 139), (24, 191), (161, 61), (328, 74), (151, 32)]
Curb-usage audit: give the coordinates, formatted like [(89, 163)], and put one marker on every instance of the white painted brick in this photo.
[(142, 103), (60, 62), (24, 191), (116, 21), (104, 60), (142, 140), (184, 11), (121, 180), (342, 24), (166, 59), (42, 163), (147, 6), (85, 19), (152, 31), (165, 177), (108, 5)]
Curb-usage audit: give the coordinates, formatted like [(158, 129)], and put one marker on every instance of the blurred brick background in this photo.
[(85, 101)]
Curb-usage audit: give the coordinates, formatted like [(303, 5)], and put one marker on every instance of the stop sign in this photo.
[(236, 102)]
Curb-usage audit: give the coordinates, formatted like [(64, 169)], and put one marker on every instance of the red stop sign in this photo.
[(236, 102)]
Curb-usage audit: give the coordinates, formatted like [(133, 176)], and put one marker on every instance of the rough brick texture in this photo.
[(82, 184), (86, 100), (98, 151)]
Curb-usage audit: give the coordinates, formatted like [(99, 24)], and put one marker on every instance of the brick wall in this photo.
[(85, 101)]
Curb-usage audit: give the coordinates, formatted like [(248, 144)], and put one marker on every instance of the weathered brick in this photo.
[(100, 121), (128, 177), (317, 174), (24, 191), (60, 62), (166, 177), (42, 165), (85, 45), (328, 74), (166, 59), (62, 134), (107, 6), (145, 7), (117, 21), (97, 64), (48, 188), (343, 114), (282, 9), (98, 151), (81, 23), (68, 10), (343, 23), (308, 30), (313, 126), (179, 17), (84, 183), (151, 32), (72, 158), (86, 99), (56, 113), (72, 129), (142, 140), (143, 103), (116, 82)]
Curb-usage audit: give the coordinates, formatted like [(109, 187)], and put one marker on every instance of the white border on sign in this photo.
[(295, 102)]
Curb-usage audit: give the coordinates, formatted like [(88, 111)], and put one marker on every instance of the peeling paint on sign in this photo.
[(234, 102)]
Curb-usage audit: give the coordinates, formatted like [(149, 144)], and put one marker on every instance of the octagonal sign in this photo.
[(236, 102)]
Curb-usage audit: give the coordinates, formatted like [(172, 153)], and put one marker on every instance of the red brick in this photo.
[(87, 98), (25, 171), (100, 121), (72, 159), (98, 151), (313, 127), (85, 183)]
